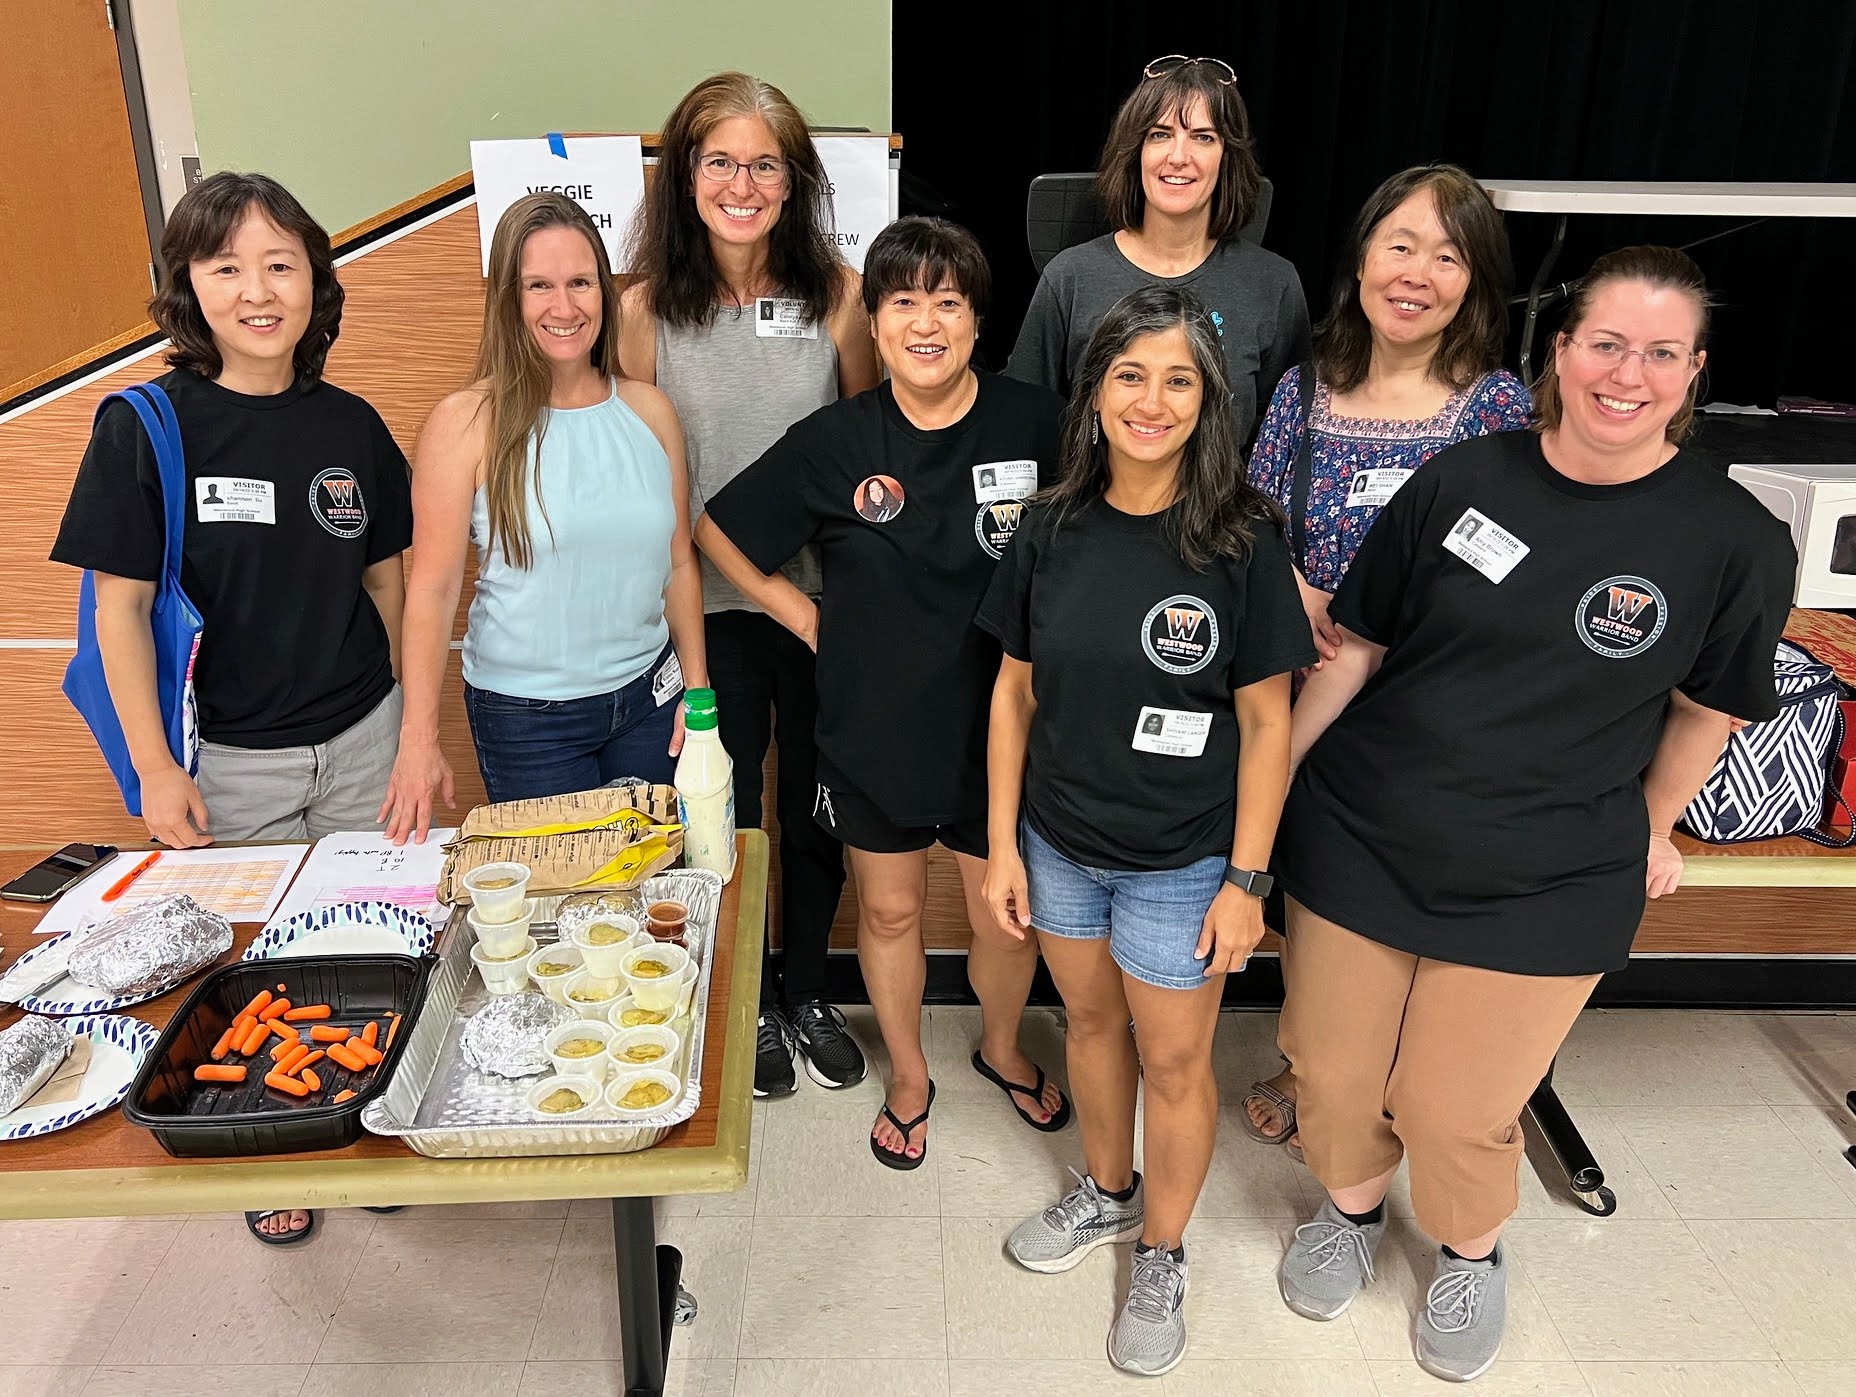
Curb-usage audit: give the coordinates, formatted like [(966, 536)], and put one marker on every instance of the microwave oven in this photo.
[(1818, 504)]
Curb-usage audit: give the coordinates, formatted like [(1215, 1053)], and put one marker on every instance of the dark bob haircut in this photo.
[(1118, 174), (919, 251), (1472, 341), (202, 225)]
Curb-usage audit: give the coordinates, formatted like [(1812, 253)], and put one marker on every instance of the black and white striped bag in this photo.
[(1772, 777)]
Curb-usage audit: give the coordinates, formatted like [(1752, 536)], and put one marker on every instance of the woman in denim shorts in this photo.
[(1137, 764)]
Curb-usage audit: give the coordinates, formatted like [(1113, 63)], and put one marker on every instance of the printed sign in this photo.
[(857, 169), (602, 174)]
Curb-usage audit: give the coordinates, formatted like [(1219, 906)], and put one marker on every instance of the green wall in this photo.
[(358, 105)]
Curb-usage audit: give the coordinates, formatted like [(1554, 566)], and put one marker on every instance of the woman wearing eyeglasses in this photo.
[(1178, 180), (1546, 638), (749, 320)]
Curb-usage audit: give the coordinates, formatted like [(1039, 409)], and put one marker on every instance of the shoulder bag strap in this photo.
[(151, 404)]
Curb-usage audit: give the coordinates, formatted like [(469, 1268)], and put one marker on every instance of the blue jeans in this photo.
[(540, 747)]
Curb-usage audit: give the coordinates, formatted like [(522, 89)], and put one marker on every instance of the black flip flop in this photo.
[(1059, 1118), (396, 1208), (285, 1239), (894, 1159)]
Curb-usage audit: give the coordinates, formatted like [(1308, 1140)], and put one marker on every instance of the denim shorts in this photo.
[(1151, 920)]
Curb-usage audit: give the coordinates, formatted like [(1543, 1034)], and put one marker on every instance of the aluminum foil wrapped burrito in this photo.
[(157, 945), (30, 1051), (504, 1038)]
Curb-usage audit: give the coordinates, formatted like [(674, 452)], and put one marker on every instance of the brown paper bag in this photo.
[(613, 837)]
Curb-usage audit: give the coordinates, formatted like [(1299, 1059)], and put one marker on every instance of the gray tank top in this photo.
[(736, 393)]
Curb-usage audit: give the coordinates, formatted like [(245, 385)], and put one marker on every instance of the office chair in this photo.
[(1061, 211)]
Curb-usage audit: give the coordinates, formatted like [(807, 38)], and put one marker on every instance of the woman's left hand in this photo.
[(676, 733), (1233, 926), (1665, 870)]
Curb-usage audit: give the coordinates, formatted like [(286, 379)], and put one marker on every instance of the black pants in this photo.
[(764, 686)]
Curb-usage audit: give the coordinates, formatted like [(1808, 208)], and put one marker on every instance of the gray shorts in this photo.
[(302, 792)]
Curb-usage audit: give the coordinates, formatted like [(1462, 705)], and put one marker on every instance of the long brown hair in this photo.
[(670, 242), (1665, 268), (1472, 342), (200, 226), (1118, 173), (516, 373)]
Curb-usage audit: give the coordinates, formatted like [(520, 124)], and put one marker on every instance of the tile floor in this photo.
[(1730, 1267)]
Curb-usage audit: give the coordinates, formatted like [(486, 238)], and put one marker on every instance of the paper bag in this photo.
[(613, 837)]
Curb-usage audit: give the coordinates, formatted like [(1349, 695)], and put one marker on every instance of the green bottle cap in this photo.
[(699, 713)]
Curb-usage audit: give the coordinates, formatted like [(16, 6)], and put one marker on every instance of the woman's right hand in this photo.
[(419, 770), (1005, 893), (1325, 632), (173, 809)]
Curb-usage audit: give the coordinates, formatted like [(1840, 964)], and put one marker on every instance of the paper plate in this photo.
[(67, 996), (118, 1045), (349, 929)]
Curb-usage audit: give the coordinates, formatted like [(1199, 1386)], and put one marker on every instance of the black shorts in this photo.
[(855, 819)]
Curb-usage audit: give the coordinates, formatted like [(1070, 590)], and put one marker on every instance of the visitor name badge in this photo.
[(1374, 489), (783, 318), (1485, 545), (1004, 480), (668, 682), (222, 499), (1172, 733)]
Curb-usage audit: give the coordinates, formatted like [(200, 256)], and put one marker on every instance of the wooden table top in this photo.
[(107, 1167)]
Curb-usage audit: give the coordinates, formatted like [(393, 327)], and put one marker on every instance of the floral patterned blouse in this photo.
[(1358, 463)]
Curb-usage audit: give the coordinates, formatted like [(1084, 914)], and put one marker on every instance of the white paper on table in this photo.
[(857, 168), (240, 884), (366, 867)]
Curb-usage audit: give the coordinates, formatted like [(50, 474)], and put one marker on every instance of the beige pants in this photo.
[(1398, 1057)]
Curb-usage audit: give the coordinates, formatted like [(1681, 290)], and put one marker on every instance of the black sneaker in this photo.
[(773, 1056), (833, 1058)]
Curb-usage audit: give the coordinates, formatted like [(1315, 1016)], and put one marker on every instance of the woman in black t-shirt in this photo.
[(1549, 637), (1150, 622)]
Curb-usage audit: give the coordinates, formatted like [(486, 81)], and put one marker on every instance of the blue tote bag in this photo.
[(174, 619)]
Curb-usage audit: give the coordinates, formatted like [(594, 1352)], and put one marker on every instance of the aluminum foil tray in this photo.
[(443, 1107)]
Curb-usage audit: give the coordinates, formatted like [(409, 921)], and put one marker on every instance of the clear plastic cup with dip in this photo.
[(548, 1098), (687, 994), (498, 937), (654, 974), (591, 996), (625, 1013), (654, 1046), (578, 1049), (504, 974), (652, 1090), (603, 941), (498, 890), (665, 918)]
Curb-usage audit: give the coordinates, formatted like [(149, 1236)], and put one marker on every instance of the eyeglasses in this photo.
[(1173, 62), (1659, 360), (721, 169)]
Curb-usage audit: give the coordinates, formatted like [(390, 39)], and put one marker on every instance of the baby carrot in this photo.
[(254, 1039), (275, 1009), (322, 1033), (224, 1045), (280, 989), (241, 1026), (369, 1055), (310, 1079), (282, 1049), (342, 1096), (392, 1029), (282, 1083), (338, 1052), (206, 1072), (371, 1034), (308, 1011), (292, 1058), (284, 1031), (311, 1060), (259, 1002)]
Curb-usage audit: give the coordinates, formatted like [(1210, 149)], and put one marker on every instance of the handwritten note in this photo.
[(365, 867)]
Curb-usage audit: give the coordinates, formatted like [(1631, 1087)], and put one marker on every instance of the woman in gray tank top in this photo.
[(747, 318)]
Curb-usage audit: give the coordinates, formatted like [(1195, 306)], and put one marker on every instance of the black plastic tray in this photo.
[(190, 1118)]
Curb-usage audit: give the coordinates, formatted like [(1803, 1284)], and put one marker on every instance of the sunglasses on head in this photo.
[(1173, 62)]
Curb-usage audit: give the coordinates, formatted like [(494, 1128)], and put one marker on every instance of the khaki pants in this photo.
[(1398, 1057)]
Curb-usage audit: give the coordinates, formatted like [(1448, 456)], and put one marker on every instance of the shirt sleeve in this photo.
[(1043, 339), (1732, 674), (1371, 595), (115, 522), (1279, 437), (390, 530), (1272, 634), (1290, 345), (1500, 403), (771, 510), (1005, 612)]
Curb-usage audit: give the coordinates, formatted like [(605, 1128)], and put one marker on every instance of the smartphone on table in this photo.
[(58, 873)]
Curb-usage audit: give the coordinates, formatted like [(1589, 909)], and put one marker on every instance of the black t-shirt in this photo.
[(904, 678), (289, 499), (1480, 801), (1134, 657)]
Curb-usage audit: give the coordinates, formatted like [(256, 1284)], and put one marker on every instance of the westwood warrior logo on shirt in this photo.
[(1621, 616), (1180, 635), (335, 499), (995, 524)]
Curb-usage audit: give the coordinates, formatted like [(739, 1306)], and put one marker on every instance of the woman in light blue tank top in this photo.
[(569, 478), (749, 320)]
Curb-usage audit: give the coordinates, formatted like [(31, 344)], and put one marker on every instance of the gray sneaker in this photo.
[(1067, 1231), (1328, 1263), (1460, 1330), (1149, 1337)]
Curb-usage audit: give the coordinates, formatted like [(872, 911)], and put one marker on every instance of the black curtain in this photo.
[(1344, 92)]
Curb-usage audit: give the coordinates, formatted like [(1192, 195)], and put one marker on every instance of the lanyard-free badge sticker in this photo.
[(1172, 732), (1180, 634), (879, 499), (1004, 480), (335, 499), (783, 318), (995, 524), (1485, 545), (221, 499), (1374, 489), (1621, 616)]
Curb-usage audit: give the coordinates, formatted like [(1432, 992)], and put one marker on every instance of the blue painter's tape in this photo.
[(557, 144)]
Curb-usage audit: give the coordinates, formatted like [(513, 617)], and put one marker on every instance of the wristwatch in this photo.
[(1252, 882)]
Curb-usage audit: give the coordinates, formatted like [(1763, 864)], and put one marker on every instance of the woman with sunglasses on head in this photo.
[(749, 320), (1178, 180), (1406, 363), (297, 515), (586, 621), (1546, 639), (887, 485), (1139, 752)]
